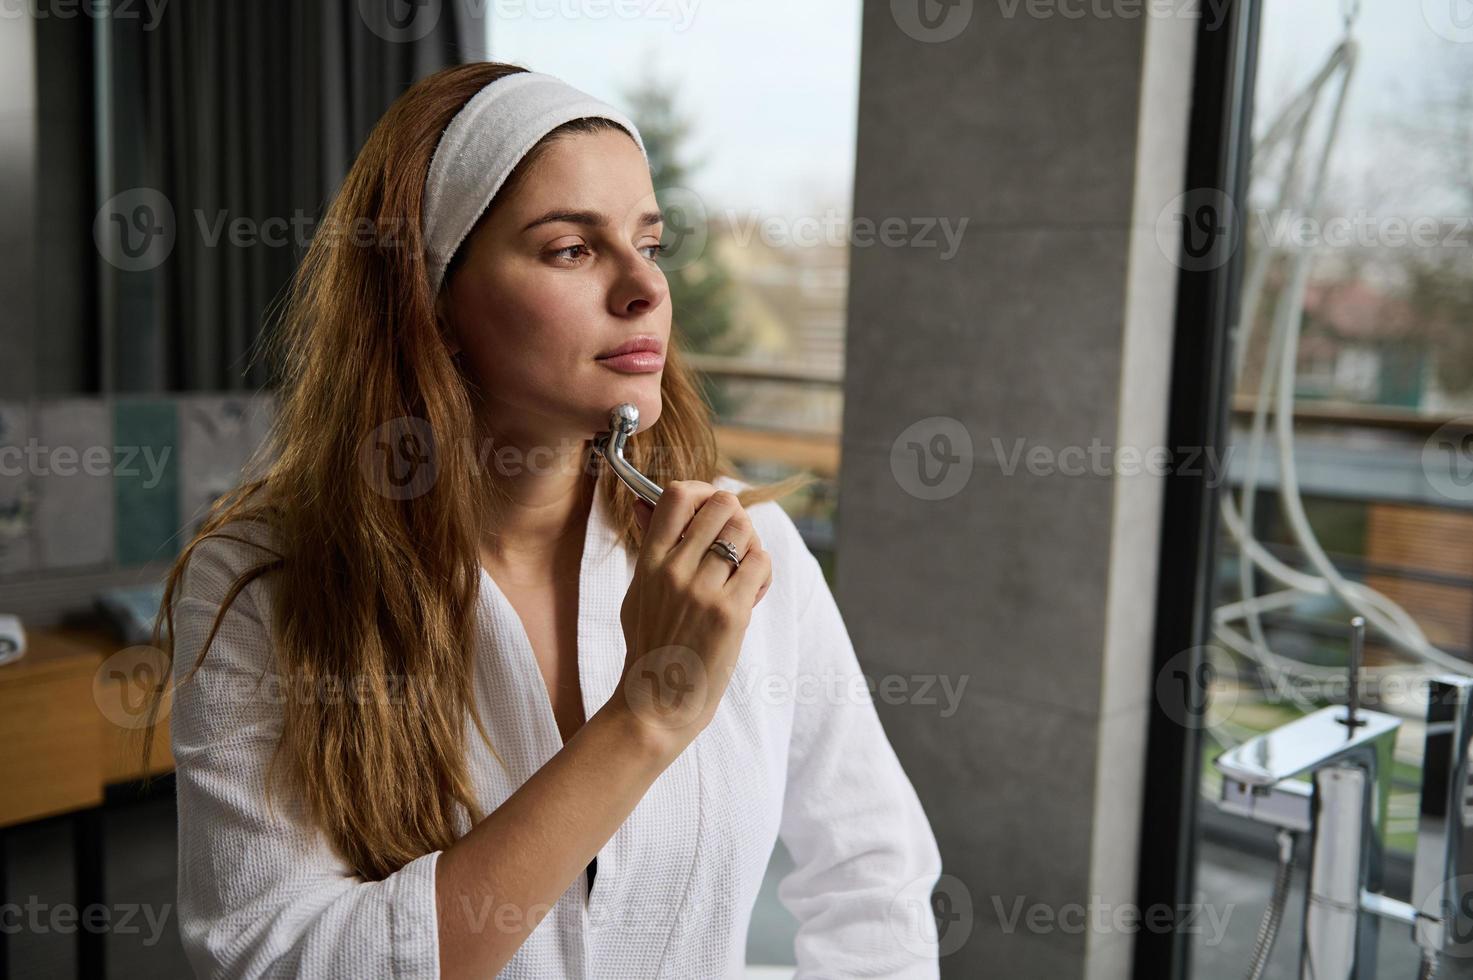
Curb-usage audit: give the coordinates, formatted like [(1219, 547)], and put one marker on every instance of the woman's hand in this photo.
[(687, 610)]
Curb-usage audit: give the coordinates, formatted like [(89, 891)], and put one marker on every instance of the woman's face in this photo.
[(560, 271)]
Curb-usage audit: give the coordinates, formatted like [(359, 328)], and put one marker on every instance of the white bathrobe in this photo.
[(795, 751)]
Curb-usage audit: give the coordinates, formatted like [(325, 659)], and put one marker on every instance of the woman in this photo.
[(446, 702)]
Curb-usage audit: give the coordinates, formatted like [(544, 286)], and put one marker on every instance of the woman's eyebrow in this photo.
[(596, 219)]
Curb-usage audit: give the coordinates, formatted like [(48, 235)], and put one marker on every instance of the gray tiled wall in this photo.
[(97, 491)]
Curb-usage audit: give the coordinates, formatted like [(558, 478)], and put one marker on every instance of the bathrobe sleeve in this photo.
[(866, 858), (261, 893)]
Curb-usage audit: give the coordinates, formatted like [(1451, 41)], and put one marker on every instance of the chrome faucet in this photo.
[(1442, 870), (1346, 753)]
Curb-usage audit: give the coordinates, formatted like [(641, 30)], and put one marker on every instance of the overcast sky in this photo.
[(772, 85), (1401, 56)]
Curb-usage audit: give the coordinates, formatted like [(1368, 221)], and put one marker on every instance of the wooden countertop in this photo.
[(71, 722)]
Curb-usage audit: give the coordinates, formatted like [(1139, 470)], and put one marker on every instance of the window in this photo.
[(1357, 320)]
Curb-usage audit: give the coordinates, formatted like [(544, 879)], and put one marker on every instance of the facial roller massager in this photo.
[(623, 422)]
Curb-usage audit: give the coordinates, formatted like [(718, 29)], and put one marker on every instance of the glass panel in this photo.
[(1349, 472)]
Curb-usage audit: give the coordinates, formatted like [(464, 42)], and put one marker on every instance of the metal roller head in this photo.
[(624, 419), (623, 423)]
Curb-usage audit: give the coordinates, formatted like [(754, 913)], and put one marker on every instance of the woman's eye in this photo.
[(562, 252), (571, 252)]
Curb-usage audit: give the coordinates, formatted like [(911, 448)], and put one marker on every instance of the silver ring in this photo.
[(727, 551)]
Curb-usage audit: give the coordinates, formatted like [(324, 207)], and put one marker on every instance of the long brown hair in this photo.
[(378, 586)]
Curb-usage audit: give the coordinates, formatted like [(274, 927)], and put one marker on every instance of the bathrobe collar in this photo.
[(605, 572)]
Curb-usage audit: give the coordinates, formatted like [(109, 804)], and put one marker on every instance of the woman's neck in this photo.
[(538, 532)]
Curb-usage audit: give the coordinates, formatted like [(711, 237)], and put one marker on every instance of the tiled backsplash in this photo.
[(89, 485)]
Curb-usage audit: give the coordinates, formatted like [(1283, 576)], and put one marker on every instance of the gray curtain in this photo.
[(248, 109)]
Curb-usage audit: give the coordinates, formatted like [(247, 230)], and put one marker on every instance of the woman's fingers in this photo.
[(677, 506), (714, 571), (750, 581), (689, 518), (688, 602), (766, 585), (721, 517)]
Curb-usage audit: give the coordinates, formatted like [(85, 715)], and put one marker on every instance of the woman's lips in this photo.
[(638, 362)]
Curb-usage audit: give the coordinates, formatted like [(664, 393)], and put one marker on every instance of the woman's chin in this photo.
[(648, 402)]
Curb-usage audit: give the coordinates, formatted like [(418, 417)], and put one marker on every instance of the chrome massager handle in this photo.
[(623, 421)]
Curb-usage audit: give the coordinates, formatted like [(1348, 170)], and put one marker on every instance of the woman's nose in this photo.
[(641, 286)]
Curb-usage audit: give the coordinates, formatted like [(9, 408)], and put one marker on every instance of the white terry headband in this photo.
[(483, 143)]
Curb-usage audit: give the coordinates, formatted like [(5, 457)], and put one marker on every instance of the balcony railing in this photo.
[(819, 450)]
